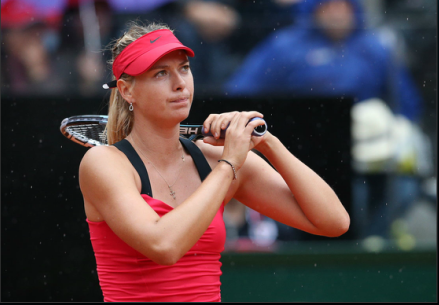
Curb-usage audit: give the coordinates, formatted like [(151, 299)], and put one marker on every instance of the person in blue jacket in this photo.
[(330, 52)]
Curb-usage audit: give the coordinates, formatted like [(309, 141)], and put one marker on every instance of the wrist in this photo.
[(231, 165), (268, 144)]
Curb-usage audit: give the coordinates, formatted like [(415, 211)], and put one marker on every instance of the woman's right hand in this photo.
[(238, 141)]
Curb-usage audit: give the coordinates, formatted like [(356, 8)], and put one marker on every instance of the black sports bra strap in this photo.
[(126, 147), (200, 161)]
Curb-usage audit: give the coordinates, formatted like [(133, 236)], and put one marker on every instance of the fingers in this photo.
[(245, 122), (252, 124), (215, 123), (213, 141), (238, 140)]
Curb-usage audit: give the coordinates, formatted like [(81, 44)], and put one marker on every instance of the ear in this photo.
[(125, 88)]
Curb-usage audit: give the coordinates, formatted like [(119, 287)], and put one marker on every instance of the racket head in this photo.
[(86, 130)]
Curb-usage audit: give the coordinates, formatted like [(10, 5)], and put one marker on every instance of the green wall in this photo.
[(319, 276)]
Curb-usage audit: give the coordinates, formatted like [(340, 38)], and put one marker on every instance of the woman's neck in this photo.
[(160, 145)]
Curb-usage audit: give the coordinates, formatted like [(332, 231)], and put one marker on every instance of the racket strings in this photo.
[(94, 132)]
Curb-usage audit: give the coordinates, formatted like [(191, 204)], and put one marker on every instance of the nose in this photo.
[(179, 82)]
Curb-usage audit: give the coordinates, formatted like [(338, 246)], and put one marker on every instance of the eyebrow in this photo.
[(167, 66)]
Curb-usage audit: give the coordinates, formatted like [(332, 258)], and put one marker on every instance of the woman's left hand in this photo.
[(216, 123)]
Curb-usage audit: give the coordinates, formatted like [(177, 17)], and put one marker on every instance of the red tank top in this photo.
[(127, 275)]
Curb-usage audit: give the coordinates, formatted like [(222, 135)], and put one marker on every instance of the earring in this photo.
[(131, 108)]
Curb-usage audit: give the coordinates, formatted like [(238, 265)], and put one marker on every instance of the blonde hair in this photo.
[(120, 119)]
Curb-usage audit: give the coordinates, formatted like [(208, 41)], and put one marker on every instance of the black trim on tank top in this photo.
[(126, 147), (200, 161)]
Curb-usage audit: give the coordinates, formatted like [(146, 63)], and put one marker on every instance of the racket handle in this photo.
[(258, 131)]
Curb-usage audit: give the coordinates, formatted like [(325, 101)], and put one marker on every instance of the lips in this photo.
[(181, 100)]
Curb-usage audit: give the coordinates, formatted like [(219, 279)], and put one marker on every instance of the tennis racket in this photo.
[(90, 130)]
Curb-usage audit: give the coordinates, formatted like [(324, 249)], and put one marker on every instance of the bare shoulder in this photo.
[(104, 167), (101, 157)]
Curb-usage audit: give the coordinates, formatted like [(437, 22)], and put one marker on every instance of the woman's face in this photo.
[(164, 93)]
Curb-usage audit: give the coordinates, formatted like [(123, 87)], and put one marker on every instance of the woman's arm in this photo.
[(110, 184), (107, 181), (294, 194)]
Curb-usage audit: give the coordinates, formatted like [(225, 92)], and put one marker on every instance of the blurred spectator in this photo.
[(223, 31), (26, 41), (86, 28), (329, 52), (258, 20), (207, 27)]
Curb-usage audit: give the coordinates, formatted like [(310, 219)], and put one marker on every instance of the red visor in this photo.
[(141, 54)]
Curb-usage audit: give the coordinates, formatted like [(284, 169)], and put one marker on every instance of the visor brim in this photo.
[(145, 61)]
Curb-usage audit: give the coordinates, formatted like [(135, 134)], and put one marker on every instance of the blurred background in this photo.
[(349, 86)]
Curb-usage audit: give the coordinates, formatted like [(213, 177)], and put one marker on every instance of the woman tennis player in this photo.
[(154, 201)]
